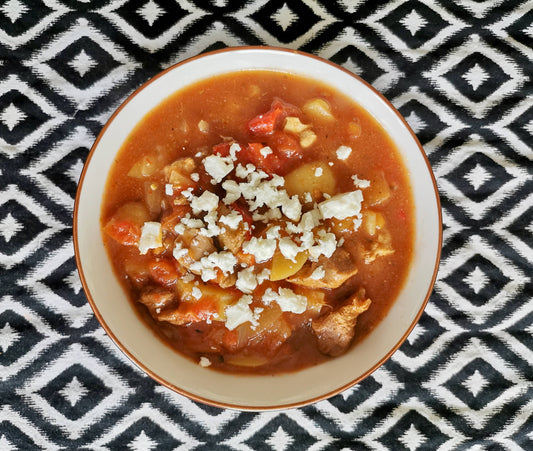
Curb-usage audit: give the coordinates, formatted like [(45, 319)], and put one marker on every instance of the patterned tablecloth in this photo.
[(459, 71)]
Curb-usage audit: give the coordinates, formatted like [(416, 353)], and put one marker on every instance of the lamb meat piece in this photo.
[(380, 247), (231, 239), (337, 270), (335, 330), (198, 246), (227, 280), (156, 299)]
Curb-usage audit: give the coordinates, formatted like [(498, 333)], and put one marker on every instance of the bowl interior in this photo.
[(252, 392)]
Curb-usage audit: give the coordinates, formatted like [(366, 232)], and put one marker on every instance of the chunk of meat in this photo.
[(379, 247), (336, 270), (178, 173), (227, 280), (232, 239), (335, 330), (156, 299), (190, 312), (198, 246)]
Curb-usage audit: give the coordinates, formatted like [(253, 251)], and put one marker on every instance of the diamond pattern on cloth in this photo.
[(460, 74)]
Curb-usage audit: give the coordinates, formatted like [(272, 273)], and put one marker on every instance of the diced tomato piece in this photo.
[(268, 162), (124, 232), (221, 149), (163, 272), (286, 145), (267, 123)]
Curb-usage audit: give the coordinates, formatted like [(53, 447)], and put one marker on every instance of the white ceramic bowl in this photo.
[(117, 315)]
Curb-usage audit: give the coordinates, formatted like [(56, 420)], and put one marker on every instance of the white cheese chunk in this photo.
[(261, 248), (179, 251), (263, 275), (233, 191), (327, 244), (204, 362), (288, 248), (287, 300), (360, 183), (246, 280), (318, 273), (265, 151), (342, 205), (232, 219), (343, 152), (151, 237), (233, 149), (208, 201), (218, 167), (244, 171), (292, 208), (180, 228), (240, 313), (273, 232)]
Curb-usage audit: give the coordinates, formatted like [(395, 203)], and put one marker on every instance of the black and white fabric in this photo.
[(461, 74)]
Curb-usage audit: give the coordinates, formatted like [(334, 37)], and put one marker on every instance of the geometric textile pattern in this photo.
[(461, 75)]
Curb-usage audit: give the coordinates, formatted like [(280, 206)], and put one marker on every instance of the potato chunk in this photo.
[(283, 267), (315, 178), (145, 167), (318, 109), (294, 125)]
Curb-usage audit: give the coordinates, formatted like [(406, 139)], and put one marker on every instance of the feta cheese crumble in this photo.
[(218, 167), (246, 280), (342, 205), (360, 183), (287, 300), (208, 201), (261, 248), (265, 151), (204, 362), (151, 237), (318, 273), (240, 313), (343, 152)]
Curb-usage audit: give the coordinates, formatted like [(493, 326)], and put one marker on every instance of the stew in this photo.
[(259, 222)]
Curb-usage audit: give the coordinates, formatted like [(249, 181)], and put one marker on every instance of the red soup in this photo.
[(259, 222)]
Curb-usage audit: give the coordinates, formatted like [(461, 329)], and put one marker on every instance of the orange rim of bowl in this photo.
[(208, 401)]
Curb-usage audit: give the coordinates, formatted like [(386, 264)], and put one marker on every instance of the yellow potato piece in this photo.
[(283, 267), (249, 361), (294, 125), (318, 109), (315, 178), (144, 167)]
